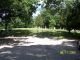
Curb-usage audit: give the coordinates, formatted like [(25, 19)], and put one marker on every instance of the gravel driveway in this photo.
[(36, 48)]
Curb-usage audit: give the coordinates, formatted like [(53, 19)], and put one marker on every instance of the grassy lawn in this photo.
[(40, 32)]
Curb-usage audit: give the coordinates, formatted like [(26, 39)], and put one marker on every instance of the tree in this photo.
[(43, 19), (46, 18), (73, 19), (25, 11), (39, 21), (5, 11), (68, 10), (10, 9), (57, 8)]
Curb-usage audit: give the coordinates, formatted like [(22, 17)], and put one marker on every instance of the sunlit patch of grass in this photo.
[(41, 32)]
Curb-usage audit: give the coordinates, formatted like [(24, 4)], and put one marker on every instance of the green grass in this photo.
[(40, 32)]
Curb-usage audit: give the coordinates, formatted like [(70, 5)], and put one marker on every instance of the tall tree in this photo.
[(16, 8), (38, 22), (68, 10), (73, 19)]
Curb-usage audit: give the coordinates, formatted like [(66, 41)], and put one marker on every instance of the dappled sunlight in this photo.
[(39, 41), (39, 29), (36, 48), (31, 40), (6, 52), (43, 41), (6, 46)]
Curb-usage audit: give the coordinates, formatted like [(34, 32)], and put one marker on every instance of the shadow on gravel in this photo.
[(8, 41), (40, 52), (64, 51)]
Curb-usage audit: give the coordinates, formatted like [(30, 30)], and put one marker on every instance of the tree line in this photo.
[(64, 14)]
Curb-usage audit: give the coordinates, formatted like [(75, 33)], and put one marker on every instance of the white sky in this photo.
[(39, 9)]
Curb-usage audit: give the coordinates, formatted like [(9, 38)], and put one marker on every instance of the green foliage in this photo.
[(43, 20), (22, 9), (58, 13), (54, 22), (46, 18), (39, 21), (68, 12), (73, 18)]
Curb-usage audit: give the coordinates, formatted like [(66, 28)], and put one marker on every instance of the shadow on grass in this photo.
[(59, 34), (49, 34), (19, 33)]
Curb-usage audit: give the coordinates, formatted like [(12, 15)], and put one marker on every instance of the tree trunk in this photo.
[(69, 31)]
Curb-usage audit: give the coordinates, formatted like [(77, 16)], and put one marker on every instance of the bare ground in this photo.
[(36, 48)]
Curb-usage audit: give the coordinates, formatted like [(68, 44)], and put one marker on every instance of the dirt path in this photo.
[(36, 48)]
